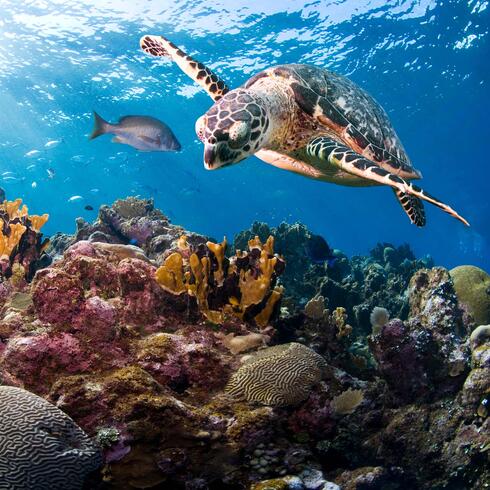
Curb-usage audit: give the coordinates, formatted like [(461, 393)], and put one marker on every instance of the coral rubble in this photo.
[(172, 356)]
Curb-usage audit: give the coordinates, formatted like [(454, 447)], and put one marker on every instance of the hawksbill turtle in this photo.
[(304, 119)]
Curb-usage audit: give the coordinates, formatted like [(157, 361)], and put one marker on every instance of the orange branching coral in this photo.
[(268, 246), (20, 239), (182, 243), (37, 222), (10, 240), (13, 210), (243, 286), (263, 317), (218, 250), (170, 275)]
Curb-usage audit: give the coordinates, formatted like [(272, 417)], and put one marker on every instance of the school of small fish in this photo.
[(143, 133)]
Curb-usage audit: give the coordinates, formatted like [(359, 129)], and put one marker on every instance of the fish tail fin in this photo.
[(100, 126)]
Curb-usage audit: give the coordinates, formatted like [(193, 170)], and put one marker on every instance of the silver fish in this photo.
[(144, 133)]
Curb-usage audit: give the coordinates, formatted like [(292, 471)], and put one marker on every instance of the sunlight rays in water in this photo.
[(60, 59)]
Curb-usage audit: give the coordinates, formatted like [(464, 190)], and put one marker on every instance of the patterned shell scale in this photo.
[(356, 105), (40, 446)]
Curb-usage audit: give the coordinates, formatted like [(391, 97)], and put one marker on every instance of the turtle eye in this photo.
[(239, 134)]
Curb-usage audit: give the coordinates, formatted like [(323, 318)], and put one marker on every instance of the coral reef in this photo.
[(41, 447), (129, 221), (21, 244), (150, 372), (358, 285), (472, 286)]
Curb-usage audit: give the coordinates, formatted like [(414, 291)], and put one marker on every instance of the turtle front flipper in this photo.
[(209, 81), (413, 206), (335, 153)]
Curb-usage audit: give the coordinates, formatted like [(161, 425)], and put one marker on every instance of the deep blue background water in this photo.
[(425, 61)]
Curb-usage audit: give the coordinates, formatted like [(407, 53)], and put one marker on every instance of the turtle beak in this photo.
[(210, 155)]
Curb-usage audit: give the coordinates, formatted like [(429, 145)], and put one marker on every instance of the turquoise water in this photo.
[(425, 61)]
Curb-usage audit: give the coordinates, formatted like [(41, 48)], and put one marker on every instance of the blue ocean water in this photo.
[(425, 61)]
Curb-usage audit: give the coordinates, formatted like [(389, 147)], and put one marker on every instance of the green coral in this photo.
[(107, 436), (472, 286)]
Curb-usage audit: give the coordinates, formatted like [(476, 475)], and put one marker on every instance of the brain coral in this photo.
[(472, 286), (278, 376), (40, 446)]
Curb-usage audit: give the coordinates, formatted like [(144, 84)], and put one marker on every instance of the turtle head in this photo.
[(233, 129)]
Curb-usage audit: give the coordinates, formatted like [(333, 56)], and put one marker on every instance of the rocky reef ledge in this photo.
[(271, 364)]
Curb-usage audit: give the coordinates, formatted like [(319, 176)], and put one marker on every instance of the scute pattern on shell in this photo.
[(278, 376), (40, 446), (355, 105)]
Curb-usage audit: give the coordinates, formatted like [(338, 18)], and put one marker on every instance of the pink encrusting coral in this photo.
[(57, 296), (34, 361), (93, 312)]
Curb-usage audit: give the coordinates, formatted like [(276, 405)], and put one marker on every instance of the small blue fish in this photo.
[(144, 133)]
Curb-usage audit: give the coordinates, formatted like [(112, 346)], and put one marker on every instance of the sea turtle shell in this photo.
[(346, 110)]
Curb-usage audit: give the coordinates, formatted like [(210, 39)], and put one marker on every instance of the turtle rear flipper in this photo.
[(335, 153), (413, 206), (201, 74)]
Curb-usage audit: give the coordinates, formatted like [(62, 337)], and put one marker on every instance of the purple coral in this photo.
[(400, 355)]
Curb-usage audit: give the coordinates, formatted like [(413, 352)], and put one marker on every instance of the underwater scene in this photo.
[(244, 245)]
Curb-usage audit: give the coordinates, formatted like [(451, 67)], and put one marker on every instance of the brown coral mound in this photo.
[(242, 286), (278, 376)]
